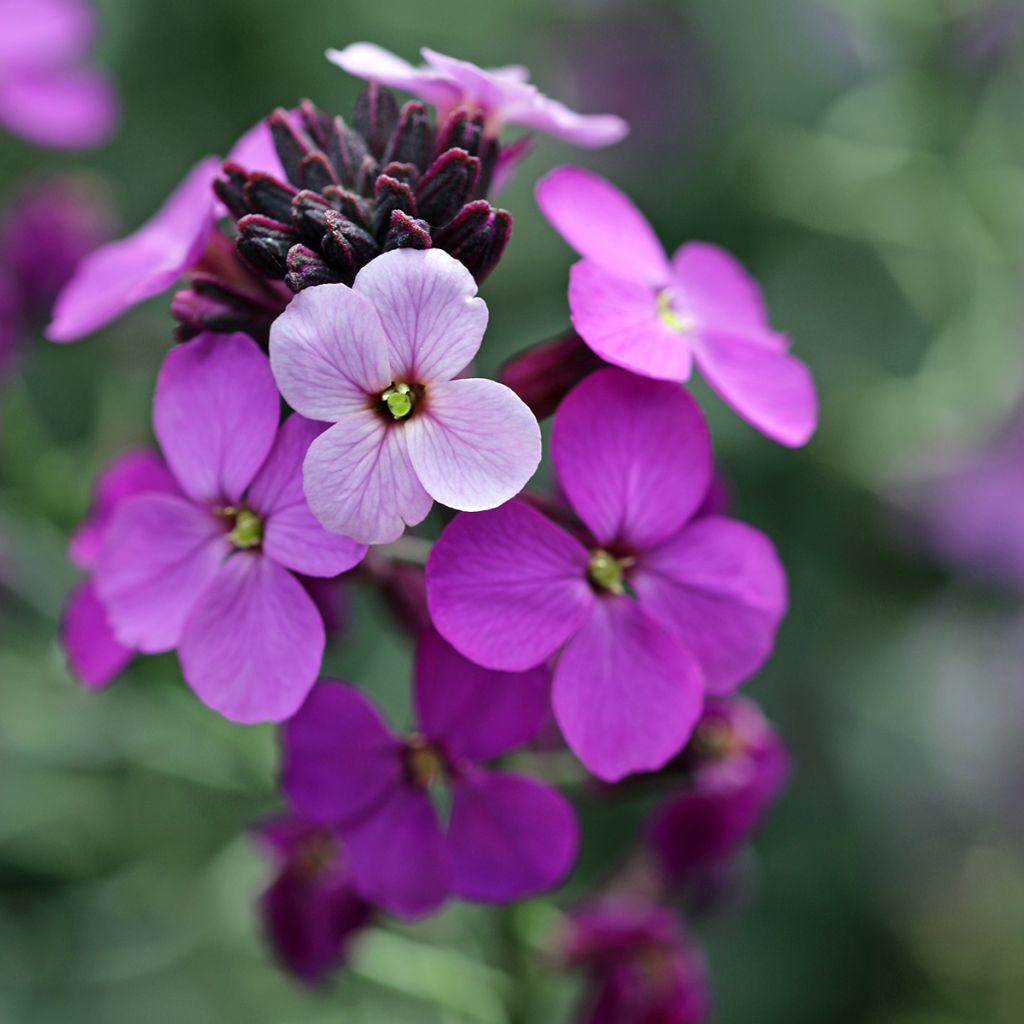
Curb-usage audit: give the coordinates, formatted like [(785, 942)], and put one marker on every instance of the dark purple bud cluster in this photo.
[(389, 180)]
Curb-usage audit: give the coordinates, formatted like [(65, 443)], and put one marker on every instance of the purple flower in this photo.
[(505, 837), (94, 654), (117, 276), (503, 95), (637, 310), (211, 571), (311, 913), (45, 95), (738, 766), (653, 606), (377, 360), (642, 968)]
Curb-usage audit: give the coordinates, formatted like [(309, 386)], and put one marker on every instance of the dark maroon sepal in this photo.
[(405, 232), (264, 243), (447, 185), (544, 374), (477, 237), (375, 117)]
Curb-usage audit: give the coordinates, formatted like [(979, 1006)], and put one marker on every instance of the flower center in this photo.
[(247, 531), (317, 853), (670, 316), (399, 399), (424, 763), (714, 740), (606, 571)]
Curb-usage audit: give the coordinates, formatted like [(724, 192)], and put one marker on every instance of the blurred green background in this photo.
[(865, 158)]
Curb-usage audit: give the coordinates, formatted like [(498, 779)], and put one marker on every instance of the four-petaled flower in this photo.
[(654, 607), (505, 837), (377, 360), (639, 311), (211, 571)]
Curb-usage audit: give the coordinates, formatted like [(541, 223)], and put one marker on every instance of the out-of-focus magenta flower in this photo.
[(641, 967), (311, 913), (94, 654), (503, 95), (638, 310), (506, 837), (377, 360), (211, 571), (654, 606), (737, 766), (46, 95), (119, 275)]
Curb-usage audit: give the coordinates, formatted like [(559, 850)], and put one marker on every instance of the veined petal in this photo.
[(252, 645), (122, 274), (339, 758), (475, 444), (360, 483), (475, 713), (292, 536), (719, 587), (507, 588), (160, 552), (432, 317), (633, 456), (603, 225), (366, 60), (591, 131), (618, 318), (95, 656), (626, 693), (510, 837), (328, 352), (215, 414)]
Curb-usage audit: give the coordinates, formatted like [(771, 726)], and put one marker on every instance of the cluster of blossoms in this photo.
[(317, 407)]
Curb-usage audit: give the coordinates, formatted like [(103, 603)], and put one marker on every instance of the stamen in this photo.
[(608, 572), (669, 316), (399, 399), (248, 529), (424, 763)]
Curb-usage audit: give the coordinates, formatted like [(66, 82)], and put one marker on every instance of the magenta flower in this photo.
[(506, 837), (502, 95), (211, 571), (642, 968), (652, 606), (121, 274), (310, 911), (737, 766), (639, 311), (46, 96), (377, 360)]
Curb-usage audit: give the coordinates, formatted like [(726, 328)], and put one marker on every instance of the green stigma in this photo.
[(247, 531), (606, 571), (668, 315), (399, 400)]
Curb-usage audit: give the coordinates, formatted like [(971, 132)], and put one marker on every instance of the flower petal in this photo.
[(428, 305), (160, 552), (360, 483), (507, 588), (633, 456), (769, 388), (398, 855), (626, 693), (292, 536), (716, 290), (510, 837), (618, 319), (366, 60), (476, 713), (215, 414), (603, 225), (94, 654), (719, 587), (553, 118), (474, 445), (328, 352), (45, 33), (339, 758), (122, 274)]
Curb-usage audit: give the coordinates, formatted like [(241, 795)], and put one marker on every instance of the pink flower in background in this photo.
[(503, 96), (311, 913), (211, 571), (654, 607), (377, 360), (507, 836), (638, 310), (641, 967), (94, 654), (46, 95), (737, 765)]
